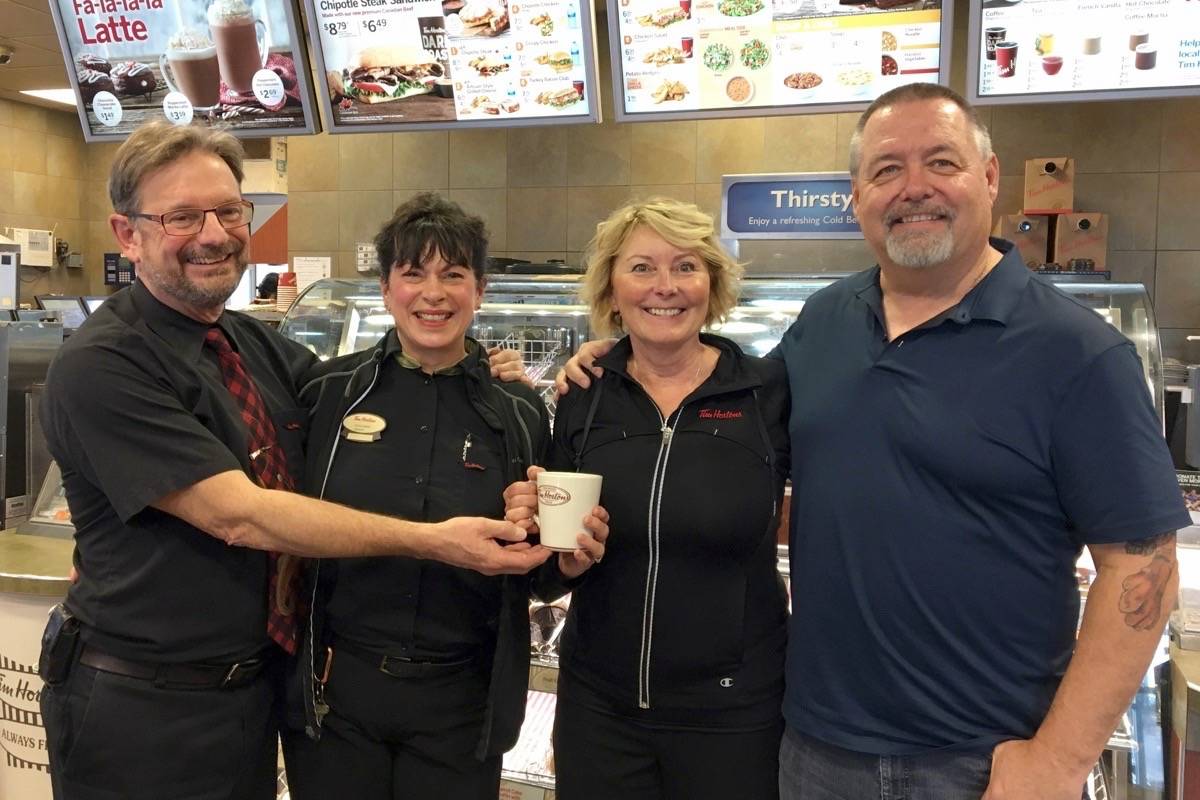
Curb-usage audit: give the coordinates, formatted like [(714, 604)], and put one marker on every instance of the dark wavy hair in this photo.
[(429, 225)]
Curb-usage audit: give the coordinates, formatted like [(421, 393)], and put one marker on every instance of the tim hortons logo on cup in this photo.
[(553, 495)]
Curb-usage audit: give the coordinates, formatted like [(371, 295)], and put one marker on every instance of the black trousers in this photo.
[(602, 756), (116, 738), (395, 738)]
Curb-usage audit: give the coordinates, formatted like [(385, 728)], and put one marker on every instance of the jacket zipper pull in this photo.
[(666, 432)]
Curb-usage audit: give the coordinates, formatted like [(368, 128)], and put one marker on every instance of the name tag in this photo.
[(363, 427)]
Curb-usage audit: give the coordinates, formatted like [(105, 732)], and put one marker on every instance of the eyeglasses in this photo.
[(190, 221)]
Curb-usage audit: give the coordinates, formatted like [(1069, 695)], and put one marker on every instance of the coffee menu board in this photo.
[(1055, 50), (717, 58), (239, 63), (391, 65)]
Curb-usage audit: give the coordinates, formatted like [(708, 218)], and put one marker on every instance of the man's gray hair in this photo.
[(158, 143), (911, 93)]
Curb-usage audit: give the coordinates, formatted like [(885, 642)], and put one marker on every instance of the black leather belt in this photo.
[(178, 676), (401, 666)]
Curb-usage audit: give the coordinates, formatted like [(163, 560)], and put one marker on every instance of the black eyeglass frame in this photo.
[(159, 218)]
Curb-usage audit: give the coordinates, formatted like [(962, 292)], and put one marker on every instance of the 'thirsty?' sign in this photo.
[(812, 205)]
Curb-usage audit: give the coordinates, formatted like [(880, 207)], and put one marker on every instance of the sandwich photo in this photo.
[(486, 18), (664, 17), (544, 24), (386, 73), (557, 61), (562, 98), (487, 66)]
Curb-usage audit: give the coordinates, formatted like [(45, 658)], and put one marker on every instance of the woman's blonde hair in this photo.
[(680, 224)]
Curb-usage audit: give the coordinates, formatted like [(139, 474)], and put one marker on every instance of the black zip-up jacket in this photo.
[(684, 622), (522, 427)]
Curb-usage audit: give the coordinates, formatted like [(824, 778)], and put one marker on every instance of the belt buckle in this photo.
[(238, 668)]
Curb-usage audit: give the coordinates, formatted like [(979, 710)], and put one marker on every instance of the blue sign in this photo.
[(802, 205)]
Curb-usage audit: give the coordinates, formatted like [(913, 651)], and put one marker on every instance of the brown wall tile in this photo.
[(98, 159), (8, 199), (6, 145), (676, 191), (588, 206), (64, 158), (6, 112), (65, 124), (803, 143), (537, 220), (663, 152), (599, 155), (728, 147), (1102, 137), (1176, 287), (1177, 228), (1130, 200), (1129, 266), (479, 158), (1181, 121), (29, 117), (313, 220), (708, 197), (845, 129), (31, 194), (29, 150), (94, 204), (538, 156), (492, 205), (313, 162), (420, 158), (365, 161), (361, 215), (766, 256)]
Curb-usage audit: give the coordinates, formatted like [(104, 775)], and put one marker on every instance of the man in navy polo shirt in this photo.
[(960, 429)]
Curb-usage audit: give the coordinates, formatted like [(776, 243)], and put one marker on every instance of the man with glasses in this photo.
[(179, 436)]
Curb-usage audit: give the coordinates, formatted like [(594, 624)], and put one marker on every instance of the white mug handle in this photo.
[(264, 46), (164, 69)]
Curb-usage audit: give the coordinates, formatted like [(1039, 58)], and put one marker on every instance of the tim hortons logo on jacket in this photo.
[(717, 413), (553, 495)]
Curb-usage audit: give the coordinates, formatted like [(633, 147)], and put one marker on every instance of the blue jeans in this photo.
[(809, 769)]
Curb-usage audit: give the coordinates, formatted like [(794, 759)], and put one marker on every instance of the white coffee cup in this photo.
[(564, 499)]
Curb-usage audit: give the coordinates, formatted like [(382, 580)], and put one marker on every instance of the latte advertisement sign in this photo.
[(722, 58), (237, 63), (390, 65), (1062, 50)]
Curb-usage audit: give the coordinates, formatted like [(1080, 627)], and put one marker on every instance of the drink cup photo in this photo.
[(189, 66), (1044, 44), (1138, 37), (241, 42), (685, 44), (1091, 44), (1052, 64), (1006, 59), (564, 499), (991, 37)]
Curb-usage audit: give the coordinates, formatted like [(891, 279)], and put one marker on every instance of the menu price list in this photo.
[(417, 61), (1031, 47), (729, 54)]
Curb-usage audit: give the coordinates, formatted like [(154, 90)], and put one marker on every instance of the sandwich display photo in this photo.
[(385, 73), (559, 61)]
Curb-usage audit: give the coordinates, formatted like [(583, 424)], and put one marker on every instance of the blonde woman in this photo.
[(672, 656)]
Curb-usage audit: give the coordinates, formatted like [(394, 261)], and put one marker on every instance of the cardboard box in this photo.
[(1049, 185), (1031, 235), (1081, 235)]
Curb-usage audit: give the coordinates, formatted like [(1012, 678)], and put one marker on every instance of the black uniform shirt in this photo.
[(134, 409), (436, 459)]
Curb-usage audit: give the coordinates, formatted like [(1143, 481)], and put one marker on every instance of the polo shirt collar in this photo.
[(994, 298), (184, 334), (392, 349)]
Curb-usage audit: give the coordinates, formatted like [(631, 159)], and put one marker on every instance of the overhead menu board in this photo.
[(413, 64), (1054, 50), (238, 63), (715, 58)]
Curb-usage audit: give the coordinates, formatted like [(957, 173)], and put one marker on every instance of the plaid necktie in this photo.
[(269, 465)]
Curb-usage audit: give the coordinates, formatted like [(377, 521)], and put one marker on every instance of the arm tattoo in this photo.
[(1141, 599), (1145, 547)]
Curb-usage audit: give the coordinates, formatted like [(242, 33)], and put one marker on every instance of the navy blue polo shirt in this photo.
[(943, 485)]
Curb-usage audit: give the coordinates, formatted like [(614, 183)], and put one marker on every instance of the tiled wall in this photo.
[(43, 171)]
